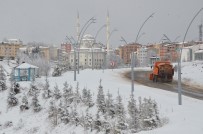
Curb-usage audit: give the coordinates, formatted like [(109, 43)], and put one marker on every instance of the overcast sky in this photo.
[(50, 21)]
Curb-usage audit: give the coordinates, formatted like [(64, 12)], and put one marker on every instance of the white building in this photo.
[(191, 53), (142, 56), (91, 54)]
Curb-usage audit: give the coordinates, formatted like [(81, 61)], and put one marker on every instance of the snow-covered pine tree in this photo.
[(56, 92), (65, 88), (2, 85), (120, 114), (53, 113), (12, 76), (57, 71), (84, 95), (97, 124), (47, 92), (149, 116), (101, 99), (24, 105), (33, 89), (110, 108), (74, 117), (88, 121), (16, 88), (89, 101), (77, 98), (35, 102), (64, 115), (12, 100), (67, 93), (153, 114), (156, 114), (2, 74), (134, 115)]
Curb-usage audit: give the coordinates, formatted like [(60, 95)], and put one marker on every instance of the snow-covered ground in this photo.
[(184, 119)]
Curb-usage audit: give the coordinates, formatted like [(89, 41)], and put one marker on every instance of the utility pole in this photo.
[(132, 71), (200, 32), (107, 32)]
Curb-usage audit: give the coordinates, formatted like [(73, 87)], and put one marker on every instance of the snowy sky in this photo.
[(49, 21)]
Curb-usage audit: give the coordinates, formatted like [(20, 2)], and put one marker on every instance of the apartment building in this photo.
[(126, 50), (168, 51), (43, 51), (142, 56), (9, 48)]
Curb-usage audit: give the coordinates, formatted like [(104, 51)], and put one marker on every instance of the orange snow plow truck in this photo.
[(163, 71)]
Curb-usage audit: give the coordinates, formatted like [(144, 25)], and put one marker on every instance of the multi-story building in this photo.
[(43, 51), (53, 53), (91, 54), (66, 47), (126, 50), (169, 51), (142, 56), (9, 48)]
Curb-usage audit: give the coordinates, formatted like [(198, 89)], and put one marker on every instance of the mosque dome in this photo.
[(88, 37)]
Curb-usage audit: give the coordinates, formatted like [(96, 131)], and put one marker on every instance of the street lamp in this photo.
[(99, 31), (142, 26), (132, 71), (84, 28), (179, 61), (122, 39)]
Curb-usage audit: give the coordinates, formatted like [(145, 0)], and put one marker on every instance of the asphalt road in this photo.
[(142, 77)]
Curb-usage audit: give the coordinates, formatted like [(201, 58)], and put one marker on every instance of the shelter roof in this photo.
[(26, 65)]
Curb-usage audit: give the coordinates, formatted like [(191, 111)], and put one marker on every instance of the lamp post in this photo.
[(132, 71), (84, 28), (122, 39), (99, 31), (142, 26), (179, 61)]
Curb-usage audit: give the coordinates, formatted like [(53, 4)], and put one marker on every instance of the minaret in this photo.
[(78, 26), (107, 32)]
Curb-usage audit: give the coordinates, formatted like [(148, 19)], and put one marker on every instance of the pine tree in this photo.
[(2, 85), (35, 102), (84, 95), (56, 93), (88, 121), (101, 99), (53, 113), (97, 123), (12, 76), (12, 100), (65, 88), (24, 105), (120, 114), (77, 94), (110, 108), (74, 117), (64, 115), (47, 92), (134, 115), (16, 88), (89, 101), (149, 114), (2, 74), (33, 89)]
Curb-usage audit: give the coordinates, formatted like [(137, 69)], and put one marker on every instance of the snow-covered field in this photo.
[(184, 119)]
